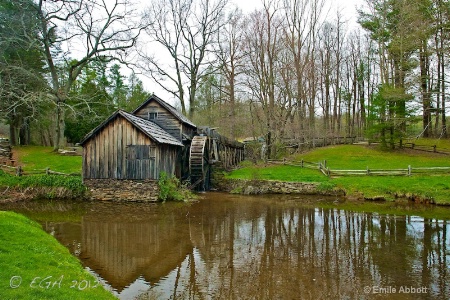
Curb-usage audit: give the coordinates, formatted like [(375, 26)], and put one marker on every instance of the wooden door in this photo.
[(140, 162)]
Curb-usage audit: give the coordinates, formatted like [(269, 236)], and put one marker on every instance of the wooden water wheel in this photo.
[(199, 163)]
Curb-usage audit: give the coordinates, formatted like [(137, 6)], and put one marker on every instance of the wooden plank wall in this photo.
[(165, 119), (167, 159), (105, 155)]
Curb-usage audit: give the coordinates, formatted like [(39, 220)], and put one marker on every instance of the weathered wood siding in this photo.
[(167, 159), (166, 120), (120, 151)]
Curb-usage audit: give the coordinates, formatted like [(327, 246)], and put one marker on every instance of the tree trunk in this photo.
[(13, 132), (60, 140), (426, 101), (24, 132)]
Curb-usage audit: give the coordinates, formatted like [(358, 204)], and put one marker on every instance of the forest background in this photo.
[(288, 72)]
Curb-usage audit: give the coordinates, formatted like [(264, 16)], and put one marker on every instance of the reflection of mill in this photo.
[(123, 251)]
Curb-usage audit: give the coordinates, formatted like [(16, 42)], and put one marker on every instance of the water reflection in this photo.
[(235, 247)]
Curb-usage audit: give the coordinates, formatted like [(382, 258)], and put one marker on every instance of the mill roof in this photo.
[(169, 107), (152, 130)]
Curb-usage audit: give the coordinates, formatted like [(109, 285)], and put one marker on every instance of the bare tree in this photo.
[(231, 57), (263, 45), (185, 32), (95, 28), (303, 20)]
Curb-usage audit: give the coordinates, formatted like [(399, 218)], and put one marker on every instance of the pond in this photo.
[(261, 247)]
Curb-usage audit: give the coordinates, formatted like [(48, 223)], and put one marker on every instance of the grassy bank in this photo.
[(33, 158), (33, 265), (37, 159), (40, 186), (352, 157)]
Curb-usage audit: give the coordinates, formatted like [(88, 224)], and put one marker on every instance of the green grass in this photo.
[(436, 188), (39, 158), (277, 172), (33, 265), (357, 157), (49, 184)]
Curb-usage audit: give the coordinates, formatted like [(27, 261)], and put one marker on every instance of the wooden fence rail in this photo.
[(325, 170), (426, 148), (302, 163), (18, 171), (391, 172)]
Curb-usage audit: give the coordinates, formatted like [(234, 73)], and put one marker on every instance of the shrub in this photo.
[(170, 189), (326, 186)]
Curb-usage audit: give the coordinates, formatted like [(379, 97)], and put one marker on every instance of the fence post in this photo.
[(328, 172), (412, 145), (409, 170), (368, 171), (302, 162), (434, 148), (325, 163), (47, 171), (19, 171), (401, 143)]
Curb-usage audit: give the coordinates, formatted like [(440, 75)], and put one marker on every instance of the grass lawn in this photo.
[(33, 265), (359, 157), (278, 172), (39, 158)]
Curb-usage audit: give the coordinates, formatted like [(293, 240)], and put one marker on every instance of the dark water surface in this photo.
[(241, 247)]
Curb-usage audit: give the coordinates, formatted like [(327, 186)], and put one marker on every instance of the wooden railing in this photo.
[(325, 169), (418, 147), (427, 148), (18, 171)]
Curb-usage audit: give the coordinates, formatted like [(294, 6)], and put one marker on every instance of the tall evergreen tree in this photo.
[(21, 67)]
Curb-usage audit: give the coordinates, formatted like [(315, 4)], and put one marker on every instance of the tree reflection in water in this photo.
[(236, 247)]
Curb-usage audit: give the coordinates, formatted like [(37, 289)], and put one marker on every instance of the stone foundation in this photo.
[(122, 190), (255, 187)]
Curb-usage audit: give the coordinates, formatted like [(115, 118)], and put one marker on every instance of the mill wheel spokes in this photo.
[(199, 162)]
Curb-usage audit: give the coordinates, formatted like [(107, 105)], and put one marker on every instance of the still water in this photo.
[(240, 247)]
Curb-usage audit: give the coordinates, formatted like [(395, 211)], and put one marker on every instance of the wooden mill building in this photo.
[(154, 138)]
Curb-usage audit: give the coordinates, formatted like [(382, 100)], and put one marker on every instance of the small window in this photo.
[(152, 115), (140, 152)]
